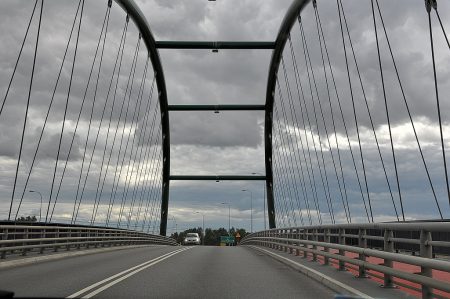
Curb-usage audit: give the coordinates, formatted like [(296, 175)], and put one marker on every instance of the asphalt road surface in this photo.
[(163, 272)]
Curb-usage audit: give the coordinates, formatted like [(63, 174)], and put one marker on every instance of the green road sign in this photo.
[(227, 239)]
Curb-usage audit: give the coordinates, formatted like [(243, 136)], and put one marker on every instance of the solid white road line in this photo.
[(317, 274), (135, 269)]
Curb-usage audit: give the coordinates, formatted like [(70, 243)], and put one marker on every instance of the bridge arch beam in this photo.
[(280, 42), (131, 8)]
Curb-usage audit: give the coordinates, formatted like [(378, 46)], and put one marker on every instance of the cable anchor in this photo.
[(430, 4)]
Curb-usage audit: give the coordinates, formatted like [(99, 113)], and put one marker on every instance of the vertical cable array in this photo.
[(103, 125), (311, 125), (27, 107), (429, 4)]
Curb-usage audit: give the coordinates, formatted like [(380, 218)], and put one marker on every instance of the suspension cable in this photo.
[(80, 198), (428, 4), (65, 115), (127, 89), (290, 150), (389, 123), (317, 124), (308, 72), (18, 58), (48, 111), (291, 144), (442, 26), (344, 195), (297, 134), (279, 183), (301, 96), (80, 112), (353, 105), (408, 110), (141, 160), (118, 61), (26, 110), (139, 98)]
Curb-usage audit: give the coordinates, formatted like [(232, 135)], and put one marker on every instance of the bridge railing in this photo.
[(357, 247), (23, 238)]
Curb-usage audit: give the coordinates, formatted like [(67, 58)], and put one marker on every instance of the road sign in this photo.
[(227, 239)]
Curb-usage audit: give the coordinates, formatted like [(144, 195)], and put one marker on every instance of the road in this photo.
[(163, 272)]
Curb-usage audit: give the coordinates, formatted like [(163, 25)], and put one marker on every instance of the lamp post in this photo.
[(203, 227), (229, 215), (174, 224), (264, 201), (251, 208), (40, 209)]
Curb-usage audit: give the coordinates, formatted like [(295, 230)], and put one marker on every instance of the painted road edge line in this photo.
[(314, 274), (112, 283), (77, 294), (53, 257)]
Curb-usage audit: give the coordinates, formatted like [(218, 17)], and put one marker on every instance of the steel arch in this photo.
[(280, 42), (131, 8)]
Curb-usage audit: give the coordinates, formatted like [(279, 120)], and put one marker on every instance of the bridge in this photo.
[(350, 125)]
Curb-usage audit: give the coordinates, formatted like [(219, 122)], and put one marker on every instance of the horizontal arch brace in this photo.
[(217, 178), (216, 107), (261, 45)]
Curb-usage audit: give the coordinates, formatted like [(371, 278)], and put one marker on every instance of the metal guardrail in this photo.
[(23, 238), (392, 242)]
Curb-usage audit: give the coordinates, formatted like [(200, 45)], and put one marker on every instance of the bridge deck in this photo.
[(199, 272), (367, 287)]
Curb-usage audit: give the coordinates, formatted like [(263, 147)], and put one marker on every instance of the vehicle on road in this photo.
[(191, 238)]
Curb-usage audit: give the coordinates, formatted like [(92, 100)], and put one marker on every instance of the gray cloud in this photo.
[(228, 142)]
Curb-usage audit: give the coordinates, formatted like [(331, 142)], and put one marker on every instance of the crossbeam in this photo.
[(217, 107), (261, 45), (217, 177)]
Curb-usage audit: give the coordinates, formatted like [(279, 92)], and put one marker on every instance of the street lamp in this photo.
[(203, 227), (175, 224), (264, 202), (229, 213), (251, 208), (40, 209)]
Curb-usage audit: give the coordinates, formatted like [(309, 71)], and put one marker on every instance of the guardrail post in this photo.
[(295, 236), (25, 236), (69, 235), (79, 240), (88, 234), (388, 247), (341, 251), (104, 234), (55, 248), (279, 235), (426, 251), (362, 242), (314, 238), (288, 235), (272, 235), (43, 232), (326, 239), (96, 238), (4, 237), (305, 237)]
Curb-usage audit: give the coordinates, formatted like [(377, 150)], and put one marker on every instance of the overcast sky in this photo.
[(231, 142)]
